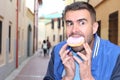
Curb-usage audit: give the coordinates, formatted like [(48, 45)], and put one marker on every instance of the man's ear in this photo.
[(95, 27)]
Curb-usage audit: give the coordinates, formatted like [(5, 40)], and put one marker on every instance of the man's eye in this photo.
[(82, 23), (69, 23)]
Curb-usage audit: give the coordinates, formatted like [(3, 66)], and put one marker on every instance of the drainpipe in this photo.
[(34, 27), (35, 24), (17, 34)]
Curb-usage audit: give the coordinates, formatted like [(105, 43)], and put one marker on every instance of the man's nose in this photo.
[(75, 28)]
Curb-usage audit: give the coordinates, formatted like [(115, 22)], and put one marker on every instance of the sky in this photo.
[(49, 8)]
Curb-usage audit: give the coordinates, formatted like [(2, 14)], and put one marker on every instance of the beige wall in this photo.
[(41, 32), (68, 2), (50, 33), (7, 13), (71, 1), (103, 11), (22, 28), (29, 21), (95, 2), (8, 17), (26, 18)]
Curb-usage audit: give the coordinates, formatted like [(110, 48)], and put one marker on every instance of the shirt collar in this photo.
[(96, 45)]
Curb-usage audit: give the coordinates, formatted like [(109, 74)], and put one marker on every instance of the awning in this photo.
[(53, 15)]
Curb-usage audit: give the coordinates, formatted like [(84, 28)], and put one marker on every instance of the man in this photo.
[(44, 47), (48, 46), (94, 60)]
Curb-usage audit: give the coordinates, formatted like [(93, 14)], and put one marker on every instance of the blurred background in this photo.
[(24, 24)]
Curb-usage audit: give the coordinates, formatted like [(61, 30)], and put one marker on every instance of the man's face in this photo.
[(79, 23)]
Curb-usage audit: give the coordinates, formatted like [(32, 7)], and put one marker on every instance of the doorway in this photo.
[(113, 27), (29, 40)]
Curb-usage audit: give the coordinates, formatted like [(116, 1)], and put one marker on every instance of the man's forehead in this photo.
[(77, 15), (75, 20)]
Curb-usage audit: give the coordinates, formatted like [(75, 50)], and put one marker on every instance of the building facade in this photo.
[(51, 29), (108, 17), (56, 34), (16, 35), (7, 37)]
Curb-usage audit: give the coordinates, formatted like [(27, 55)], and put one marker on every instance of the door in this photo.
[(113, 27), (29, 41)]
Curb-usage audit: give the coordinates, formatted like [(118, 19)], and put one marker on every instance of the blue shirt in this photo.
[(104, 57)]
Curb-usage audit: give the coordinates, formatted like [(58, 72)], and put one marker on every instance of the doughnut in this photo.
[(75, 41)]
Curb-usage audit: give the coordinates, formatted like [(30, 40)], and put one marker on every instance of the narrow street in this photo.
[(33, 68)]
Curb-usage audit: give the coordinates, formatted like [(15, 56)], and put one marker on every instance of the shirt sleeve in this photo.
[(116, 71)]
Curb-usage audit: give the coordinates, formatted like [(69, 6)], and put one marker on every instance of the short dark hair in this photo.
[(81, 5), (44, 41)]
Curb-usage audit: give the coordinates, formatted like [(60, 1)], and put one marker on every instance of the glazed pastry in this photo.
[(75, 41)]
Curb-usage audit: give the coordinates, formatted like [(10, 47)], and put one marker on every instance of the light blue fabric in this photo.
[(77, 74)]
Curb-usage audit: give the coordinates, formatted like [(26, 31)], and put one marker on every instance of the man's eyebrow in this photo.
[(83, 19), (68, 21)]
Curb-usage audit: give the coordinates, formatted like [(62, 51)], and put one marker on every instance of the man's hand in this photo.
[(68, 62), (85, 63)]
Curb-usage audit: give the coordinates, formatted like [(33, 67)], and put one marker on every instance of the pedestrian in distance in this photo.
[(48, 46), (94, 59), (44, 47)]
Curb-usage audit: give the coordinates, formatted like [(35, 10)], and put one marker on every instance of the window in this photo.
[(62, 22), (59, 23), (113, 27), (53, 37), (9, 37), (52, 23), (0, 36), (99, 28), (60, 38)]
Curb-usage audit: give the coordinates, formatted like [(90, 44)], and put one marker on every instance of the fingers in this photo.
[(63, 52), (88, 50), (86, 57), (63, 49), (77, 59), (66, 58)]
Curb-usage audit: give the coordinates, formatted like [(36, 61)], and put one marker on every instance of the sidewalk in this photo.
[(34, 68)]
